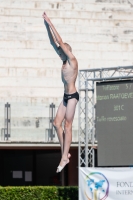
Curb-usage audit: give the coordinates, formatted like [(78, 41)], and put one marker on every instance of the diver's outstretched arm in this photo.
[(51, 37), (58, 38)]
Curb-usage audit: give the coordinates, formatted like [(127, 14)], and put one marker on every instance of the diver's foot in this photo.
[(69, 155), (62, 164)]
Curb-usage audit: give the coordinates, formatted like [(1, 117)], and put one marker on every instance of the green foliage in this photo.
[(39, 193)]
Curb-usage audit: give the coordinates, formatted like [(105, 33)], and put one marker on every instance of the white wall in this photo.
[(99, 31)]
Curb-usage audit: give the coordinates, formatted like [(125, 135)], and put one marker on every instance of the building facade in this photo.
[(101, 35)]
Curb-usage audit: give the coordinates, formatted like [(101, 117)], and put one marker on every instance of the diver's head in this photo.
[(68, 46), (61, 53)]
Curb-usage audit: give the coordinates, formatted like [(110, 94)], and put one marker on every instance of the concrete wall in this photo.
[(99, 31)]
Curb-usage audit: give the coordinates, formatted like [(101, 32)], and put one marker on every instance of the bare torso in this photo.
[(69, 75)]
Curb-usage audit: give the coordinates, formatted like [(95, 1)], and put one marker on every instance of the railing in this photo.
[(30, 122)]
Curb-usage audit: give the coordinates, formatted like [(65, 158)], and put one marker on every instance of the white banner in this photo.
[(105, 183)]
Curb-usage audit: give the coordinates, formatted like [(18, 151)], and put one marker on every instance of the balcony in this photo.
[(30, 124)]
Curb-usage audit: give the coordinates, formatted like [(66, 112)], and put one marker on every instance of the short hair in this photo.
[(68, 46)]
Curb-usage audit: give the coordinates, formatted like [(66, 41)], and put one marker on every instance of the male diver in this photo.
[(66, 109)]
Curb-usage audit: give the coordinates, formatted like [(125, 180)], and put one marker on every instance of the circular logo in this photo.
[(96, 186)]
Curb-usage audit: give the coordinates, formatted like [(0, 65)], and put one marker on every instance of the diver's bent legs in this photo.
[(57, 123), (70, 111)]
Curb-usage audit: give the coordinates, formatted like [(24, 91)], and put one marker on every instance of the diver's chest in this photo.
[(66, 69)]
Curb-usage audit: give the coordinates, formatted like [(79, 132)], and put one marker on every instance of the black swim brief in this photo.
[(70, 96)]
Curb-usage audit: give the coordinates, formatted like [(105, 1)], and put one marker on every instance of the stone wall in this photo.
[(99, 31)]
